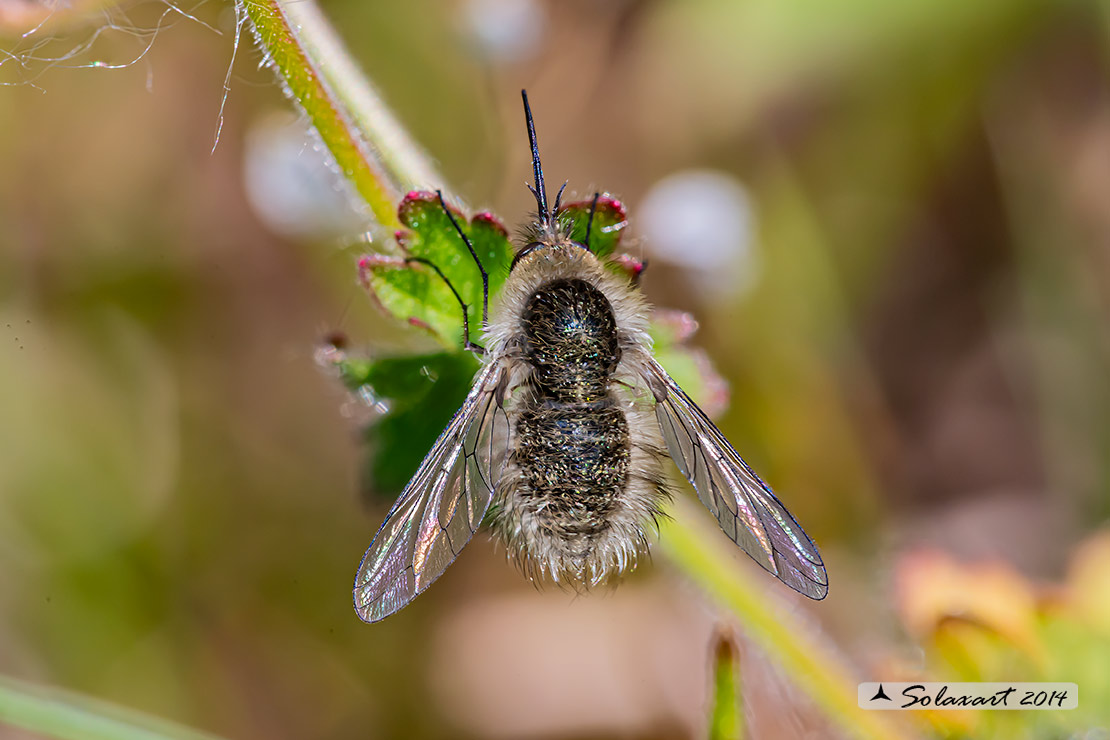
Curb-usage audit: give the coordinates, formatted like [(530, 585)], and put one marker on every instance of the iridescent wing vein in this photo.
[(748, 512), (442, 506)]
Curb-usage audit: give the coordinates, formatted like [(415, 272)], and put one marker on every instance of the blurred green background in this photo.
[(905, 282)]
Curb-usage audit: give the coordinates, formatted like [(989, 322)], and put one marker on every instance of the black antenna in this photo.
[(538, 191)]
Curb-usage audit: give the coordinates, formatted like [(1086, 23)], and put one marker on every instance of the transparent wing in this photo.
[(441, 507), (744, 505)]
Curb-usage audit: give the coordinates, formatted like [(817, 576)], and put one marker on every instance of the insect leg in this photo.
[(590, 222), (470, 247), (467, 344)]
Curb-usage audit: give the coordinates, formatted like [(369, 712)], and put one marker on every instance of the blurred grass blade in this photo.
[(726, 722), (373, 152), (65, 715), (694, 543)]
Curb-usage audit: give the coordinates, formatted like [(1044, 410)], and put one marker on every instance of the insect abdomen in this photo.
[(573, 461), (573, 499)]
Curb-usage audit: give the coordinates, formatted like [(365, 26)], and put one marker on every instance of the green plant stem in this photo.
[(726, 720), (62, 714), (371, 149), (694, 543)]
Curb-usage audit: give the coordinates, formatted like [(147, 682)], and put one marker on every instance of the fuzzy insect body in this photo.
[(561, 444), (584, 478)]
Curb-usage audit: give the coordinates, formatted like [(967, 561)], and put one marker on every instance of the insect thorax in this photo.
[(571, 341)]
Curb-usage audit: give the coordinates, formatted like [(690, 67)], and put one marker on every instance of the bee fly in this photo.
[(561, 443)]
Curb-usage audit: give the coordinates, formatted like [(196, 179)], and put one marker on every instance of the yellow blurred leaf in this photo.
[(935, 592), (1089, 582)]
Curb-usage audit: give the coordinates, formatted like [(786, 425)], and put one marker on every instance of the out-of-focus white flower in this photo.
[(504, 30), (703, 221), (292, 187)]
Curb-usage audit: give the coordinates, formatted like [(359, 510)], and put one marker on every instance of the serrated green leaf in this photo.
[(609, 222), (415, 292)]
